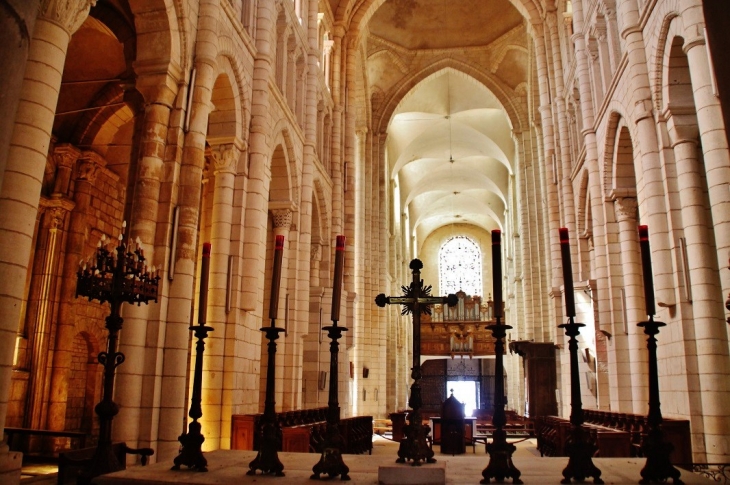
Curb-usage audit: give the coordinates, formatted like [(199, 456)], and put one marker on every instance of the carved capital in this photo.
[(69, 14), (626, 208), (316, 253), (225, 158), (88, 166), (282, 218)]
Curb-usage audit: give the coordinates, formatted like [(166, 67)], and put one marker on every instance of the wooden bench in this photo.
[(553, 433)]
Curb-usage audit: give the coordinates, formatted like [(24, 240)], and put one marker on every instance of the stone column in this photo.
[(88, 165), (282, 221), (631, 355), (220, 371), (649, 174), (138, 381), (710, 332), (26, 162), (16, 29), (51, 237)]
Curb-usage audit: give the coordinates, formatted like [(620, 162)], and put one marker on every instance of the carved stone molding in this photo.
[(225, 158), (316, 252), (88, 166), (625, 208), (55, 209), (64, 157), (69, 14)]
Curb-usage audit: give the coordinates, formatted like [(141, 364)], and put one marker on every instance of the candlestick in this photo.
[(658, 467), (331, 463), (191, 454), (567, 272), (337, 288)]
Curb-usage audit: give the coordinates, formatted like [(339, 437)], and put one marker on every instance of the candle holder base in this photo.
[(191, 454), (500, 460), (580, 464), (658, 467), (415, 446), (331, 464), (267, 459)]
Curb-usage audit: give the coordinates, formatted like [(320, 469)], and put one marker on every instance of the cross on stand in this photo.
[(417, 299)]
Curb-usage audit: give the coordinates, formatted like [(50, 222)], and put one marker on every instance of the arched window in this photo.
[(460, 267)]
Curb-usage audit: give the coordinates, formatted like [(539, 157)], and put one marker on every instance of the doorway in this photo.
[(465, 392)]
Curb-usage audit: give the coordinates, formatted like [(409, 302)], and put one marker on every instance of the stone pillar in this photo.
[(89, 163), (15, 36), (282, 221), (26, 162), (632, 359), (649, 174), (710, 332), (219, 380), (51, 236), (137, 381)]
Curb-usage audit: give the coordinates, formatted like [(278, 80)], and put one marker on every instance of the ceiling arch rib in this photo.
[(461, 181)]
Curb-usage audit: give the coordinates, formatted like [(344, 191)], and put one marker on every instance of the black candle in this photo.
[(646, 269), (497, 271), (567, 272), (204, 271), (337, 285), (276, 278)]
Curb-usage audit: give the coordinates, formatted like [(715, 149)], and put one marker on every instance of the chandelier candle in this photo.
[(191, 454), (658, 467), (267, 459), (331, 462), (579, 448)]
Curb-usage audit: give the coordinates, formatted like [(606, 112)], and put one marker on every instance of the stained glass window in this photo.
[(460, 267)]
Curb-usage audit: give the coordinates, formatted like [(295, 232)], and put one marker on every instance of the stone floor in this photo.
[(229, 467)]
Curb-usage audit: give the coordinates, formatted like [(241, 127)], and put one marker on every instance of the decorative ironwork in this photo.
[(116, 276), (500, 452), (717, 472), (191, 454), (579, 448), (331, 462), (658, 467), (417, 300)]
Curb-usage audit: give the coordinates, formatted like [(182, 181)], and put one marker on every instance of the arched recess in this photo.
[(161, 35), (83, 385), (226, 119), (619, 175)]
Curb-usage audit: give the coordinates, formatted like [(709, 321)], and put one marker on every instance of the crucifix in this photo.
[(416, 299)]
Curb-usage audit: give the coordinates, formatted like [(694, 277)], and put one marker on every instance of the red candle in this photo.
[(567, 272), (276, 278), (337, 285), (646, 269), (204, 270)]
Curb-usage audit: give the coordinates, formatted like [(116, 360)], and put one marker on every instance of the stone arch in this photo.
[(583, 205), (659, 59), (513, 112), (357, 18), (224, 121), (84, 384), (618, 172), (235, 70), (162, 37), (284, 173)]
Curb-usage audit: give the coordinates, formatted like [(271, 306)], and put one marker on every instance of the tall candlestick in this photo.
[(646, 269), (497, 272), (276, 278), (567, 272), (337, 288)]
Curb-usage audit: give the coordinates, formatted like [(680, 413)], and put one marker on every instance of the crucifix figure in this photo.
[(416, 299)]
